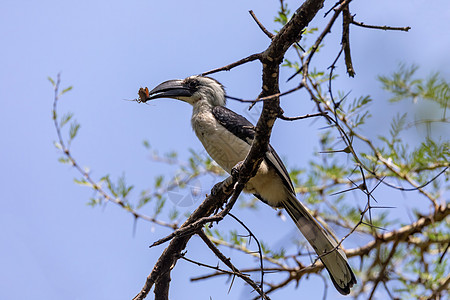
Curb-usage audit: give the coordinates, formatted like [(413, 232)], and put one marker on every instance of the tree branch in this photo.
[(346, 19)]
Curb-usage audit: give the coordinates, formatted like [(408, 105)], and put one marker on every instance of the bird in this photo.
[(227, 138)]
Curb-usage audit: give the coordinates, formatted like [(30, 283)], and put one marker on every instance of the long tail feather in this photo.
[(335, 260)]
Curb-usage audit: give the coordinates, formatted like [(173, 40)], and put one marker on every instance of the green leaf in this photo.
[(400, 83), (146, 144), (82, 181), (218, 234), (279, 254), (171, 155), (159, 206), (264, 248), (51, 81), (63, 160), (66, 90), (158, 181), (397, 125), (110, 185), (144, 199), (65, 119), (94, 201), (74, 127), (122, 189), (173, 214)]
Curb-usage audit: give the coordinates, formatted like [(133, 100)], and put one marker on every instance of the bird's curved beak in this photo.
[(170, 89)]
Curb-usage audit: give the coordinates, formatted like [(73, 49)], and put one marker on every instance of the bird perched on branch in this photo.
[(227, 137)]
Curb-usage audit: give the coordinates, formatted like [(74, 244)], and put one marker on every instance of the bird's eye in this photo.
[(192, 84)]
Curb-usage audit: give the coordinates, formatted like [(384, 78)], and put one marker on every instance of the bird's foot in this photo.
[(216, 189), (236, 169)]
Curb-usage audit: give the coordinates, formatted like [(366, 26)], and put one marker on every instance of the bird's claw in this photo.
[(236, 169), (215, 189)]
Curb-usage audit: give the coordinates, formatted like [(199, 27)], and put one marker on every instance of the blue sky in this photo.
[(53, 246)]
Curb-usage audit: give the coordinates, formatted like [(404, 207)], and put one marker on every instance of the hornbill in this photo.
[(227, 137)]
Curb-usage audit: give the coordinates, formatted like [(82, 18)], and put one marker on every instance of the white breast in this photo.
[(223, 146)]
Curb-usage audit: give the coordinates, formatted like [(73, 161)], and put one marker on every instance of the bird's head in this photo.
[(190, 90)]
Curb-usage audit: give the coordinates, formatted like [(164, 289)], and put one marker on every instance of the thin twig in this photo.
[(361, 24), (320, 114), (261, 26), (235, 64), (330, 78), (266, 98), (259, 248)]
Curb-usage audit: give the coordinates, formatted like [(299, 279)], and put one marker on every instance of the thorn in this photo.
[(295, 74), (345, 150), (373, 226), (361, 187), (383, 207)]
